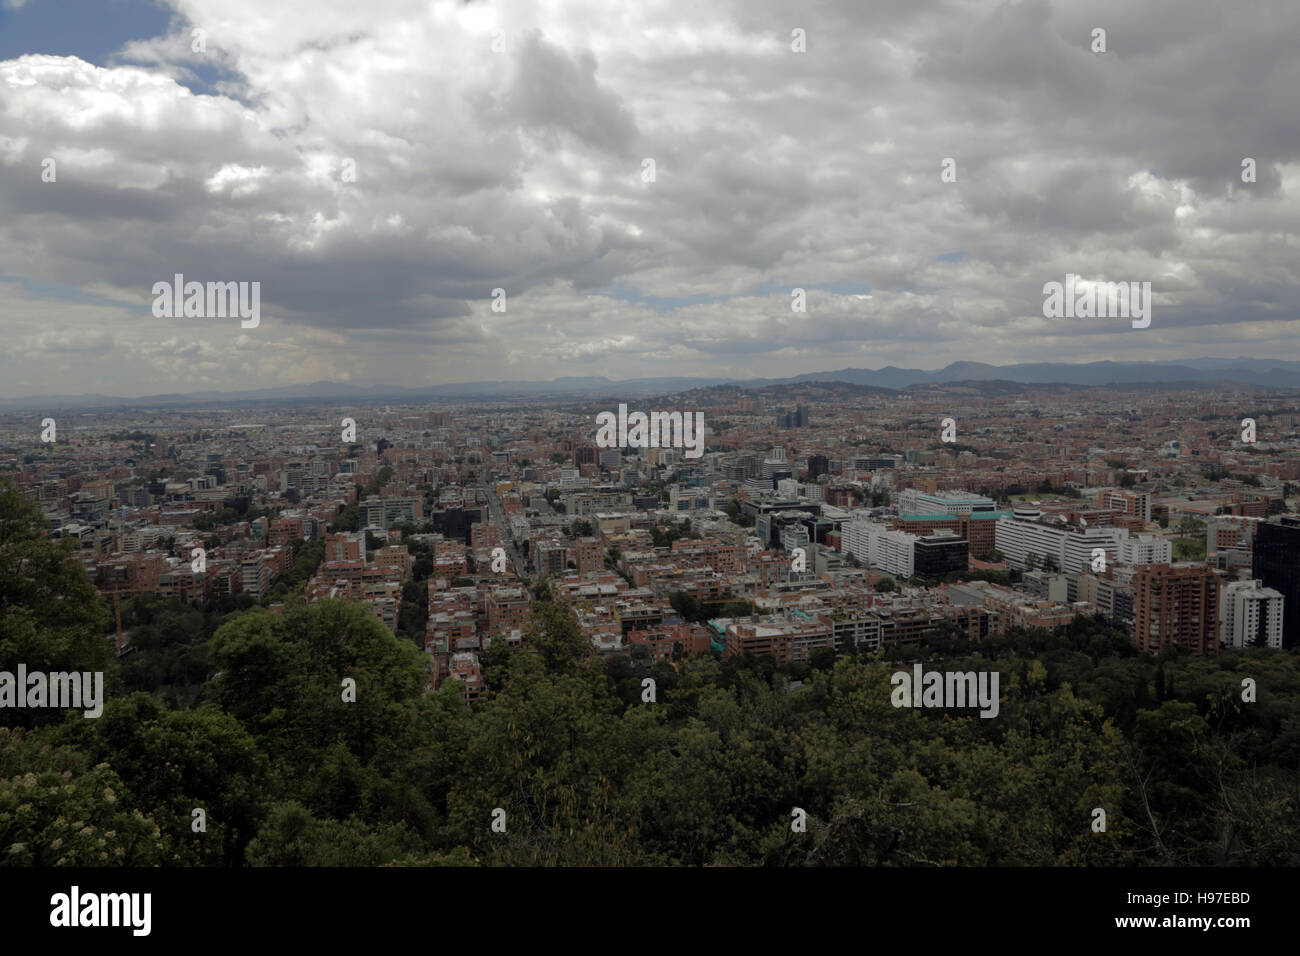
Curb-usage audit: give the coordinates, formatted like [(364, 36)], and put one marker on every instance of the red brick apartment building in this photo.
[(1176, 604)]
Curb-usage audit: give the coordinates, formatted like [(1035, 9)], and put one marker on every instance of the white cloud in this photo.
[(522, 170)]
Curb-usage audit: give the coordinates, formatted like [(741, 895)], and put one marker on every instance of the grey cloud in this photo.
[(558, 91), (521, 171)]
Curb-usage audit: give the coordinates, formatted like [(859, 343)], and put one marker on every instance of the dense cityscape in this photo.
[(611, 438), (835, 518), (1136, 550)]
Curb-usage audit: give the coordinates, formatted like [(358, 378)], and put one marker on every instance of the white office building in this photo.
[(1145, 549), (880, 548), (855, 539), (893, 552), (914, 502), (1061, 547), (1250, 611)]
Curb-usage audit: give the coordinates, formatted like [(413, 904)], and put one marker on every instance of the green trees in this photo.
[(687, 605), (210, 521), (348, 519), (173, 762), (411, 622), (59, 808), (737, 516), (293, 837), (261, 727), (51, 617), (663, 537), (376, 487), (539, 748), (281, 676), (333, 701), (169, 644), (307, 557), (553, 632), (693, 609)]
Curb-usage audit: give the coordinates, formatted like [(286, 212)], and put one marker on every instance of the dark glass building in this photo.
[(1277, 565), (935, 555)]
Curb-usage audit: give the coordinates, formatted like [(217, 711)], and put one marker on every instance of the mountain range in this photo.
[(1262, 373)]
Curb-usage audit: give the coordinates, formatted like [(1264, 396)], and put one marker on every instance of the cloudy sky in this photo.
[(504, 144)]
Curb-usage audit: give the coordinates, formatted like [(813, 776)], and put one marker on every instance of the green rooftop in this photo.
[(977, 514)]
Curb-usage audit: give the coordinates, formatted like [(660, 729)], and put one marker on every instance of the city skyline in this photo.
[(558, 433)]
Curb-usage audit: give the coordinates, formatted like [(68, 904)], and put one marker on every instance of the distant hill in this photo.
[(1241, 371), (1263, 373)]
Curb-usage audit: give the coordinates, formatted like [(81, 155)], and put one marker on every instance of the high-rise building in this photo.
[(255, 573), (456, 522), (1252, 615), (818, 465), (775, 467), (1277, 566), (855, 539), (789, 488), (786, 640), (1176, 604), (795, 419)]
